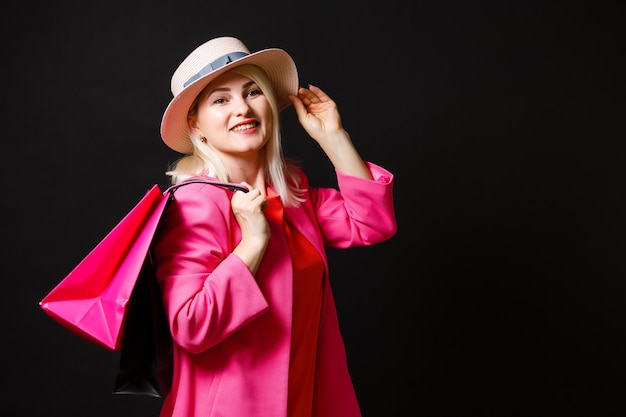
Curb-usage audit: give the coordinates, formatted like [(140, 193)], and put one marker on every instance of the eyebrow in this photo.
[(246, 85)]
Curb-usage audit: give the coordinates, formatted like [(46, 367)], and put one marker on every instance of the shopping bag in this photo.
[(92, 300)]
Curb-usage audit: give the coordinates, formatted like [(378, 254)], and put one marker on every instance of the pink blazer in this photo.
[(232, 330)]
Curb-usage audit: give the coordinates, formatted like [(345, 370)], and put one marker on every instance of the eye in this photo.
[(254, 92), (220, 100)]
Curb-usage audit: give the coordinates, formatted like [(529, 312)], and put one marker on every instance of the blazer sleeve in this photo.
[(208, 292), (360, 213)]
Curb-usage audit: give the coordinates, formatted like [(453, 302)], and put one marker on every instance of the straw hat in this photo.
[(207, 62)]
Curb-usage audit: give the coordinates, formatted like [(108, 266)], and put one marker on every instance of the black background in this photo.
[(503, 292)]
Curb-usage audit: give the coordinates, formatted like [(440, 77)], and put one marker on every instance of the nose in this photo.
[(241, 107)]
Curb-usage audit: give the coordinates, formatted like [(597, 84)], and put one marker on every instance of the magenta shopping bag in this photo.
[(92, 300)]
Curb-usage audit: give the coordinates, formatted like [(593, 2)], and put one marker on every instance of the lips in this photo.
[(244, 126)]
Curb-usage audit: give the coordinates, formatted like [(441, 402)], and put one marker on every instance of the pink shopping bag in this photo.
[(93, 299)]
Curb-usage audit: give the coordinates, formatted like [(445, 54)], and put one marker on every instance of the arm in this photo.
[(208, 291), (361, 214), (318, 115)]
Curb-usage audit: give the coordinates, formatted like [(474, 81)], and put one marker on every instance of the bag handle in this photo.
[(230, 186)]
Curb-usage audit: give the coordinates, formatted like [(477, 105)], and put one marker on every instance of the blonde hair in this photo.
[(282, 175)]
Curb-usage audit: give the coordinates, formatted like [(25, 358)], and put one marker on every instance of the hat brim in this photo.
[(277, 64)]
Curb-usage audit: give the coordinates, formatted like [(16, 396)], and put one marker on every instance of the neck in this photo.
[(253, 174)]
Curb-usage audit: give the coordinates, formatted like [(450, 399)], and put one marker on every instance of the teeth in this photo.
[(244, 127)]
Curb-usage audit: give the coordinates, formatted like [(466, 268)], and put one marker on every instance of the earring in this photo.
[(203, 139)]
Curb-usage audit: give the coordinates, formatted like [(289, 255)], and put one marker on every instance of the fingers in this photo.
[(312, 95), (253, 200), (308, 99), (319, 94)]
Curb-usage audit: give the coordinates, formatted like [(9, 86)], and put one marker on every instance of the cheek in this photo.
[(208, 117)]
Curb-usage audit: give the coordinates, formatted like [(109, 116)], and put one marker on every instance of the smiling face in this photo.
[(233, 115)]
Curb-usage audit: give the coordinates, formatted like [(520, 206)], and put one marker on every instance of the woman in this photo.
[(243, 275)]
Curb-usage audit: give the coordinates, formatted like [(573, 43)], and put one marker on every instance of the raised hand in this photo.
[(317, 112)]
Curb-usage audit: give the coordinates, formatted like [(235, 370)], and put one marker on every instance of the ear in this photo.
[(192, 122)]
